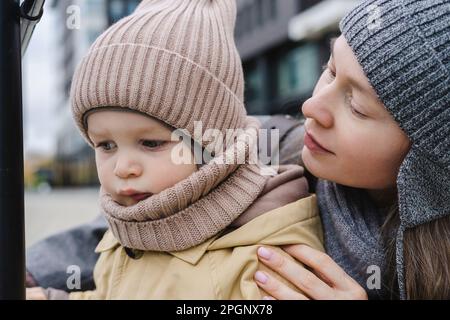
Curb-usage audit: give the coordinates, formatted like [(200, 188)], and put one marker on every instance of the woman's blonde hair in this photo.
[(426, 257)]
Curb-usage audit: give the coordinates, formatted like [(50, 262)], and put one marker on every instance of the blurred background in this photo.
[(283, 45)]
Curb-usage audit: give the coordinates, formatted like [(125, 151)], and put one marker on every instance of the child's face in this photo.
[(133, 155), (345, 116)]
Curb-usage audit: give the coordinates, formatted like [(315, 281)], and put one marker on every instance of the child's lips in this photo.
[(140, 196), (134, 194)]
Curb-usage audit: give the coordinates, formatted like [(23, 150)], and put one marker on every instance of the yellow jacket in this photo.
[(220, 268)]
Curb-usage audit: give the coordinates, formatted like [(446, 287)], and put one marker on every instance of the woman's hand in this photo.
[(327, 280), (36, 293)]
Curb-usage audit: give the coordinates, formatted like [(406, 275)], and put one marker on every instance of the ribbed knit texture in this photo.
[(176, 60), (194, 209), (407, 61), (352, 234)]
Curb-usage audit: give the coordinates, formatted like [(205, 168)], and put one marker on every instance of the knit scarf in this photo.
[(352, 233), (195, 208)]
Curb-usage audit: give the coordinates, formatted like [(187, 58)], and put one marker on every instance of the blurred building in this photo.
[(283, 45), (74, 163)]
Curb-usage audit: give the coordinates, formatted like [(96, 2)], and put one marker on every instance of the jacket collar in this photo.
[(264, 229)]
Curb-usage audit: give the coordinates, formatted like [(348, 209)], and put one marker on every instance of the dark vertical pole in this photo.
[(12, 243)]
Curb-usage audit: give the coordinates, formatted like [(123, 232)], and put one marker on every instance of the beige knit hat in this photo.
[(175, 60)]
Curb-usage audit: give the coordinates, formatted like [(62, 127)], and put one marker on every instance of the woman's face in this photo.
[(364, 145)]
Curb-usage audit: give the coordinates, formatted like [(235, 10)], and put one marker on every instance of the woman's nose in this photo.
[(126, 167), (319, 109)]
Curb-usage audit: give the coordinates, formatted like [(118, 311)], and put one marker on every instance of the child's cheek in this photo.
[(105, 172), (165, 173)]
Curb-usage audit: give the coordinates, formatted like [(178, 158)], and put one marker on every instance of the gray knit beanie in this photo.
[(403, 47)]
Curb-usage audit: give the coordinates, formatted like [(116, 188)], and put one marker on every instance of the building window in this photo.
[(95, 21), (117, 9), (248, 21), (239, 28), (243, 21), (273, 9), (259, 12), (298, 71), (131, 6), (255, 14), (303, 5), (255, 93)]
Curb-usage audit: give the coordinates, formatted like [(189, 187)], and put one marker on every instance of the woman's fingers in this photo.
[(326, 280), (303, 279), (36, 293), (275, 288), (344, 286), (322, 265)]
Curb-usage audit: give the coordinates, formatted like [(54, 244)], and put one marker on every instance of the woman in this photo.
[(378, 140)]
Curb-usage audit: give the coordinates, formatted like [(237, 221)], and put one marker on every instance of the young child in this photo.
[(180, 231)]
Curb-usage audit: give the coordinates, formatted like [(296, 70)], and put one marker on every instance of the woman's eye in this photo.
[(356, 112), (153, 144), (106, 146), (351, 104), (331, 74)]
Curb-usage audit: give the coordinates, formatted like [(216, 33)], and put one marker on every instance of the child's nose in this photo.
[(126, 167)]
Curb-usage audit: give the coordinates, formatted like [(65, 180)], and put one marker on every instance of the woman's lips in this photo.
[(314, 146)]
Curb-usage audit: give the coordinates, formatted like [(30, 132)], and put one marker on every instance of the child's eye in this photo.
[(106, 146), (153, 144)]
